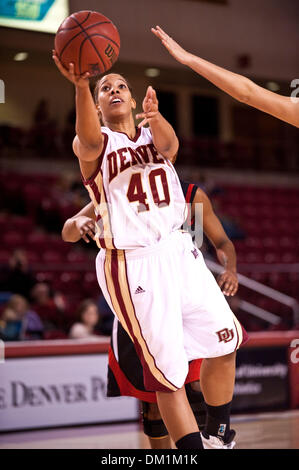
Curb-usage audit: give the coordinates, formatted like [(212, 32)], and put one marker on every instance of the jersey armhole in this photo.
[(87, 181)]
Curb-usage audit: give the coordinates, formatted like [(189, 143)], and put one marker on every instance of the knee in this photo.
[(228, 360), (153, 425), (153, 412)]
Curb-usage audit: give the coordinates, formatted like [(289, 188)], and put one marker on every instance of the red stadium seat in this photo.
[(33, 256), (68, 282), (78, 257), (270, 243), (38, 241), (287, 242), (271, 257), (90, 284), (46, 276), (253, 243), (289, 257), (13, 239), (254, 257), (4, 256), (52, 257), (22, 224)]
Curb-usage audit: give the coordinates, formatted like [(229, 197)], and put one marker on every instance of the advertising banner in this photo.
[(56, 391), (36, 15), (261, 379)]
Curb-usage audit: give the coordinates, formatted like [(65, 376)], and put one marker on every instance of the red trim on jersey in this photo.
[(188, 198), (137, 135), (95, 191), (100, 158), (237, 336), (245, 336), (189, 192), (109, 215)]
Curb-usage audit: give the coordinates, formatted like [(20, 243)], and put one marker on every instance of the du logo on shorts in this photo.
[(225, 335)]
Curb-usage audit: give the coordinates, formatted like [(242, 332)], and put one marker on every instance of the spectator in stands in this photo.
[(44, 133), (50, 306), (88, 319), (68, 133), (17, 277), (19, 322), (41, 113)]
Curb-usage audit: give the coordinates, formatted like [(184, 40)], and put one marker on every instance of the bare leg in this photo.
[(217, 379), (177, 413)]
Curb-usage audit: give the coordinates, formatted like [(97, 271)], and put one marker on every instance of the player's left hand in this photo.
[(228, 282), (150, 107)]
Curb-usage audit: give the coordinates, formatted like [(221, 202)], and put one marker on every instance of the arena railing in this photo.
[(264, 290)]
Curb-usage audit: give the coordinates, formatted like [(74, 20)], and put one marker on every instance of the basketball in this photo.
[(89, 40)]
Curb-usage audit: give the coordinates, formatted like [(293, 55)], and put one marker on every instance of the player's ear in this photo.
[(99, 113), (133, 103)]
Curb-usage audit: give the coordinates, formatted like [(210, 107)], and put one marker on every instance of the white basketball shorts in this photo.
[(170, 305)]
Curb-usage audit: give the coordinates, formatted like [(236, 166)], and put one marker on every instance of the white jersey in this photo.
[(136, 192)]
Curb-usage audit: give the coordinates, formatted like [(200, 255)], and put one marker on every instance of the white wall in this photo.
[(266, 29), (24, 86)]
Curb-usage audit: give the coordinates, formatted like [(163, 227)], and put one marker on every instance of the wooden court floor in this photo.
[(260, 431)]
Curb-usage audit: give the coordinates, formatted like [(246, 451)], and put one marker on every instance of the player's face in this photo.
[(114, 97)]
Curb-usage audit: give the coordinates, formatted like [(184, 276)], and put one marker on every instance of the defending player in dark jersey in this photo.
[(125, 375)]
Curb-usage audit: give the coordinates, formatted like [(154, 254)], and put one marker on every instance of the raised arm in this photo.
[(226, 254), (88, 142), (80, 225), (239, 87), (164, 137)]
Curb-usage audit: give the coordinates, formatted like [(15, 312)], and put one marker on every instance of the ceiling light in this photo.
[(20, 56), (152, 72), (273, 86)]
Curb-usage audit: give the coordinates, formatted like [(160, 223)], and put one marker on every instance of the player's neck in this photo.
[(127, 126)]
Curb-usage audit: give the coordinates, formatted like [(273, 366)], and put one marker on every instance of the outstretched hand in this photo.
[(80, 81), (150, 107), (173, 47)]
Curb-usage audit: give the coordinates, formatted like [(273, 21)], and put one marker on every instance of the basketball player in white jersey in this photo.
[(235, 85), (181, 314), (125, 374)]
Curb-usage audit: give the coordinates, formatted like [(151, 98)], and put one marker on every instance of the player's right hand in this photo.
[(173, 47), (86, 226), (81, 81)]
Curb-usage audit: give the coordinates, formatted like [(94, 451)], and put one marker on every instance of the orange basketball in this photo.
[(89, 40)]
